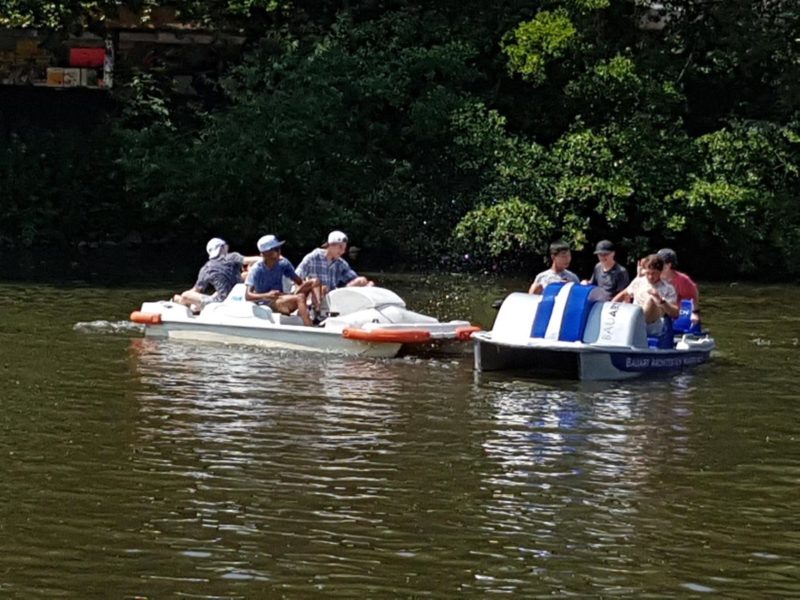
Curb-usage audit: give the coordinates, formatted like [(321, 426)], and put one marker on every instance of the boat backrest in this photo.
[(665, 339), (348, 300), (545, 310), (616, 324), (237, 293), (564, 311), (559, 313), (515, 318), (576, 312), (237, 310), (683, 323), (569, 312)]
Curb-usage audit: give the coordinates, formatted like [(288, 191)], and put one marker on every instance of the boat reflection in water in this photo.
[(275, 461), (575, 466), (220, 391)]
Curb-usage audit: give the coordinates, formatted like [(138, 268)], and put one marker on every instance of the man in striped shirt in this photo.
[(327, 265)]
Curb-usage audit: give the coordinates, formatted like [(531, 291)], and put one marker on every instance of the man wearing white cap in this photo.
[(327, 265), (265, 281), (216, 278)]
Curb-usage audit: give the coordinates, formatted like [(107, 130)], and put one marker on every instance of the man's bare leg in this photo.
[(288, 303)]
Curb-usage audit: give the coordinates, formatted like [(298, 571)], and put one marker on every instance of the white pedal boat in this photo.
[(364, 321), (565, 332)]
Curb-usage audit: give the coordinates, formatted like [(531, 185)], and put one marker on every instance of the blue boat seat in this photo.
[(666, 339), (576, 313), (563, 311), (545, 310), (683, 323)]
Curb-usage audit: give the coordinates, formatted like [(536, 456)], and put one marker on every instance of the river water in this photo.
[(141, 469)]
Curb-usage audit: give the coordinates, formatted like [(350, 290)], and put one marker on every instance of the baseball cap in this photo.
[(337, 237), (268, 242), (668, 256), (214, 247), (604, 246)]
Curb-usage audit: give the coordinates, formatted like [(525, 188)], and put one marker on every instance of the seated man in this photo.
[(265, 281), (560, 257), (685, 288), (656, 297), (327, 266), (608, 274), (217, 277)]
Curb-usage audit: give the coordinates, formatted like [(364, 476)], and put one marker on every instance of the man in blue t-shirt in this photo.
[(265, 281)]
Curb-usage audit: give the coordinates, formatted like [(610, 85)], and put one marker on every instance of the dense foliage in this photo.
[(430, 129)]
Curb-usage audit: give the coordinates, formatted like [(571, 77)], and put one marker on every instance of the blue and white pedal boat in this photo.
[(569, 332)]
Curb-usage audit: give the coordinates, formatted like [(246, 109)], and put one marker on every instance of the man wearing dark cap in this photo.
[(608, 274), (683, 284)]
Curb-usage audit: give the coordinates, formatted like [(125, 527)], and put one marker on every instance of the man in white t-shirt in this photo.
[(656, 297), (560, 256)]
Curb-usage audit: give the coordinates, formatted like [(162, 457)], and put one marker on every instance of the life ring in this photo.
[(465, 333), (388, 336), (146, 318)]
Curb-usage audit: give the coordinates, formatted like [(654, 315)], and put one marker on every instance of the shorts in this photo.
[(268, 303)]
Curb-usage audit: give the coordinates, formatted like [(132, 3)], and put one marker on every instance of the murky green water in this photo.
[(132, 468)]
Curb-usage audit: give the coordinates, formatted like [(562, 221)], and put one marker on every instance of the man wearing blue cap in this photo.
[(265, 281), (216, 278)]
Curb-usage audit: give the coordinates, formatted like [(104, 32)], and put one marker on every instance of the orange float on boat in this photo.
[(464, 334), (388, 336), (145, 318)]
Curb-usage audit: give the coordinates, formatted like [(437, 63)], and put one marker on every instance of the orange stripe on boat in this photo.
[(465, 333), (388, 336), (146, 318)]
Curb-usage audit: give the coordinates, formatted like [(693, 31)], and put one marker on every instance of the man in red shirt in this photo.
[(683, 284)]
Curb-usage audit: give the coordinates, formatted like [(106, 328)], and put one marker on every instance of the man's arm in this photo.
[(669, 308), (352, 279), (624, 278), (252, 296), (536, 288), (669, 302), (623, 296)]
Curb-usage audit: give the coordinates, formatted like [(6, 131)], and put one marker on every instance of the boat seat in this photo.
[(683, 323), (666, 339), (544, 311), (514, 320), (237, 293), (293, 319), (617, 324), (576, 312), (238, 310), (564, 310)]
